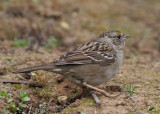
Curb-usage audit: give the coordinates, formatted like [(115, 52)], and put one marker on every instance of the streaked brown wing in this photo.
[(86, 58), (91, 52)]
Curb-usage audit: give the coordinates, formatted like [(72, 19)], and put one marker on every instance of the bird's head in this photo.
[(117, 37)]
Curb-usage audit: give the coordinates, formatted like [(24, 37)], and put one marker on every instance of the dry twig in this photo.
[(14, 81)]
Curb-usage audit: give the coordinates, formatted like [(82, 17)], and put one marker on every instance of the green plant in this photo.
[(8, 101), (52, 42), (20, 43), (130, 89), (11, 105), (8, 58), (41, 109), (36, 2), (82, 112), (24, 98)]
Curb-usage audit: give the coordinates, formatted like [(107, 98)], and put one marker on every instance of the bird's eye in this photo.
[(119, 36)]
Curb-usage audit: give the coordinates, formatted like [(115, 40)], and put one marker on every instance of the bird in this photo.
[(93, 63)]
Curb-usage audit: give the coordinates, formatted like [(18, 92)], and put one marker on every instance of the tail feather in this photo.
[(34, 68)]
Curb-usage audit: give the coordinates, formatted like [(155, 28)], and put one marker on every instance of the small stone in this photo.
[(60, 79), (120, 103), (120, 75), (138, 86), (33, 74), (76, 103), (64, 25), (148, 83), (1, 72), (148, 102), (62, 99)]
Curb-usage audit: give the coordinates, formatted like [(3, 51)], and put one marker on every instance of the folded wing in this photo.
[(98, 53)]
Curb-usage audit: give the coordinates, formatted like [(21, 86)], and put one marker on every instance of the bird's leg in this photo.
[(96, 99), (98, 90)]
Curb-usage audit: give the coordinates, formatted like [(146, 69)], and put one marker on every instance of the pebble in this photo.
[(62, 99)]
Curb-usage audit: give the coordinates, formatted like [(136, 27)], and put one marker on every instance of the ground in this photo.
[(37, 32)]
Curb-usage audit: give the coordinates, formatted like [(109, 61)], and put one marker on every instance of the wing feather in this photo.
[(93, 52)]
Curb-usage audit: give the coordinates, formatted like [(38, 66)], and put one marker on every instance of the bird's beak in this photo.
[(126, 36)]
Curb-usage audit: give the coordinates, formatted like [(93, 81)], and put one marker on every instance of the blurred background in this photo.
[(34, 32), (66, 23)]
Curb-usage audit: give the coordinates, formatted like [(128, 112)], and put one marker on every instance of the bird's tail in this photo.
[(34, 68)]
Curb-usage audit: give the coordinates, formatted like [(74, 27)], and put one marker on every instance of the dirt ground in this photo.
[(38, 31)]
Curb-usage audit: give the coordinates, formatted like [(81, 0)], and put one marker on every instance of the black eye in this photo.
[(119, 36)]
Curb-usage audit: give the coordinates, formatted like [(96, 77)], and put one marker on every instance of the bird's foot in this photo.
[(95, 98), (99, 90)]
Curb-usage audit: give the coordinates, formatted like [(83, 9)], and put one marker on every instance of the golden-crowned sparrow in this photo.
[(93, 63)]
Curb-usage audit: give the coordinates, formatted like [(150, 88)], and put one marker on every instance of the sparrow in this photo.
[(93, 63)]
